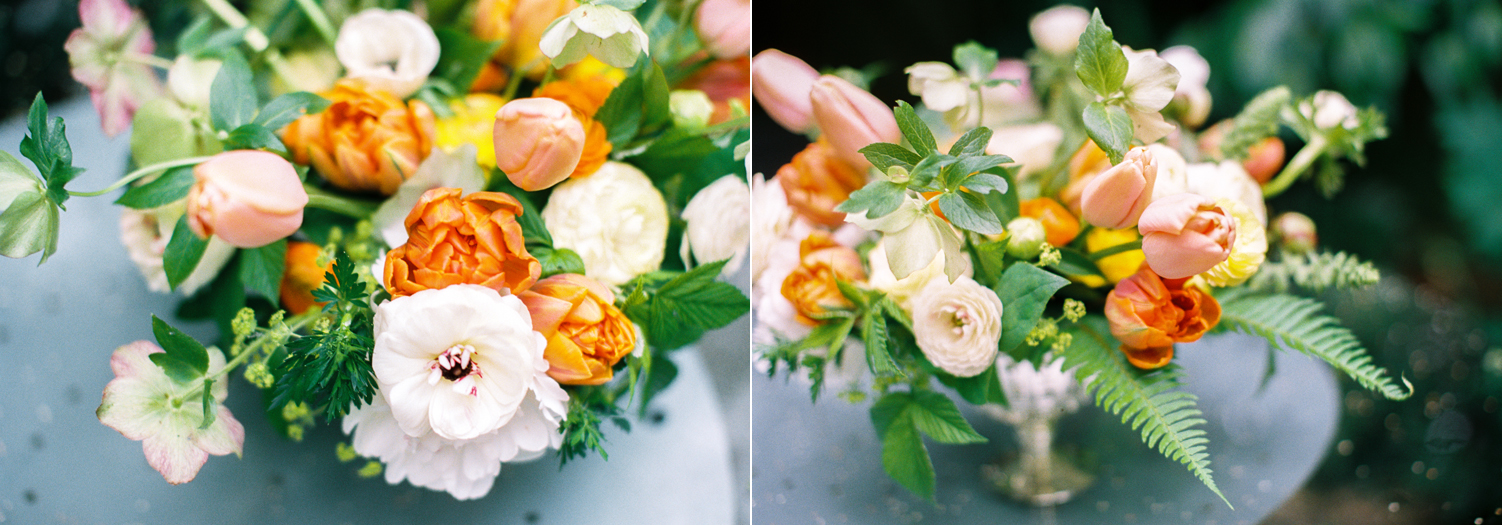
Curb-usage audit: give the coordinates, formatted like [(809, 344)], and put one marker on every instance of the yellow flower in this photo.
[(592, 67), (1115, 267), (1247, 253), (473, 123)]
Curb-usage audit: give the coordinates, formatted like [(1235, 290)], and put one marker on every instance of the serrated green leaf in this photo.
[(968, 211), (46, 145), (171, 186), (659, 376), (558, 260), (621, 114), (261, 268), (903, 454), (927, 170), (985, 183), (1256, 121), (874, 335), (914, 130), (972, 143), (1111, 129), (208, 404), (936, 416), (884, 155), (182, 253), (284, 109), (1024, 289), (232, 96), (1004, 203), (877, 199), (963, 169), (1295, 322), (184, 359), (1099, 61)]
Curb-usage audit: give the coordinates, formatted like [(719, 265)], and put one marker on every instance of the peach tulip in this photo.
[(725, 27), (538, 142), (782, 84), (1117, 197), (248, 198), (851, 118), (1185, 234)]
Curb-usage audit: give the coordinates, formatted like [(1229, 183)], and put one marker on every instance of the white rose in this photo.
[(609, 34), (614, 219), (1030, 145), (390, 50), (145, 234), (1057, 30), (459, 361), (957, 326), (1227, 180), (719, 224), (1148, 87)]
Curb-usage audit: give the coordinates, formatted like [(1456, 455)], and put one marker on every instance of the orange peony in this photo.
[(811, 286), (816, 181), (1148, 315), (1060, 225), (367, 140), (469, 240), (301, 277), (586, 333)]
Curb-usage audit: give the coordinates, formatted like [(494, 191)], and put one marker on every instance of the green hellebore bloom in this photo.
[(28, 222), (613, 36)]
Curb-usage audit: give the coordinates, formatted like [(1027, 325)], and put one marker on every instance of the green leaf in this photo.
[(914, 129), (1024, 289), (877, 199), (46, 145), (461, 56), (903, 454), (659, 376), (972, 143), (1004, 203), (884, 155), (261, 268), (621, 114), (284, 109), (1315, 272), (681, 309), (1295, 323), (930, 168), (1111, 129), (558, 260), (208, 403), (986, 183), (28, 225), (254, 136), (184, 359), (170, 187), (967, 167), (1099, 61), (1167, 417), (1074, 262), (979, 389), (977, 61), (182, 253), (937, 417), (232, 97), (624, 5), (874, 335), (968, 211)]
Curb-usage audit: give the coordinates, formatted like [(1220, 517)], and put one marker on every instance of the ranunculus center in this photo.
[(959, 318), (455, 364)]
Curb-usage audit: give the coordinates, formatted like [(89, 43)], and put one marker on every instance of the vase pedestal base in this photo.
[(1049, 483)]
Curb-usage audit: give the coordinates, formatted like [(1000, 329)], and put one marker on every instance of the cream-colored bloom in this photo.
[(191, 79), (1149, 87), (958, 325), (390, 50), (605, 32), (1057, 30), (1172, 171), (1194, 73), (1031, 146), (941, 87), (614, 219), (901, 290), (912, 235), (1248, 252), (442, 169), (458, 362), (1329, 109), (1227, 180), (719, 225), (771, 217), (145, 234), (691, 108)]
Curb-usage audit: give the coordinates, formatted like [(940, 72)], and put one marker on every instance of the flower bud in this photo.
[(1264, 159), (1116, 198), (1295, 232), (538, 142), (1060, 225), (783, 83), (691, 108), (1025, 238), (1057, 30), (725, 27), (249, 198), (851, 118), (1185, 234), (1330, 109)]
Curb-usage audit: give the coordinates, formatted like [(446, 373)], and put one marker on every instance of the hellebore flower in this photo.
[(605, 32), (111, 54)]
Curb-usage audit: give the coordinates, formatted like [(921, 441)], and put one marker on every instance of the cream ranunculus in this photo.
[(957, 326), (614, 219), (1148, 87), (1226, 180), (390, 50), (458, 362), (609, 34), (719, 224)]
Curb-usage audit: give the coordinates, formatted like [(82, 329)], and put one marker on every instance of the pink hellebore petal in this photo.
[(117, 86), (781, 84), (144, 405), (851, 118), (1186, 234), (1116, 198)]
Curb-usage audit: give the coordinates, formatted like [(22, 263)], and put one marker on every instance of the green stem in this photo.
[(320, 20), (723, 126), (515, 82), (147, 59), (1120, 248), (296, 323), (323, 200), (1295, 167), (134, 175), (226, 12)]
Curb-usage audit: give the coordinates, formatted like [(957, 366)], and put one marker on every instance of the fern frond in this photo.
[(1295, 322), (1315, 272), (1167, 417)]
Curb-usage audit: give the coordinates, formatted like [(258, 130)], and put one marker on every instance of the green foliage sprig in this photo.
[(1315, 272), (330, 367)]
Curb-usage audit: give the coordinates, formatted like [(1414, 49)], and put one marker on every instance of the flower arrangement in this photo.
[(1033, 223), (470, 232)]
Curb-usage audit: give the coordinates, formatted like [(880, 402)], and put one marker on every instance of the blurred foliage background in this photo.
[(1427, 208)]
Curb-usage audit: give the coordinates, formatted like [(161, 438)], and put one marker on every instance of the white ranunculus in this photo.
[(1149, 86), (1172, 171), (614, 219), (458, 362), (901, 290), (1227, 180), (442, 169), (609, 34), (466, 468), (191, 79), (719, 224), (912, 235), (1030, 145), (1057, 30), (390, 50), (958, 325), (1329, 110), (145, 234), (770, 219)]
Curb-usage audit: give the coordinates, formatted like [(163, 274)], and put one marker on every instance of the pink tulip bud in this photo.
[(725, 27), (248, 198), (1115, 198), (781, 84), (1185, 234), (538, 142), (851, 118)]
